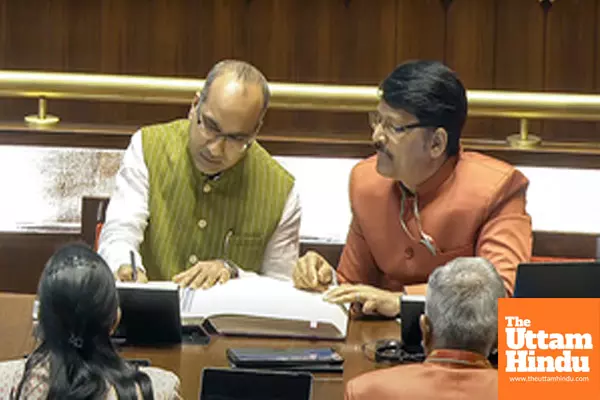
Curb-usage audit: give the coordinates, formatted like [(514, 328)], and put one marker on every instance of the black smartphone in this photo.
[(286, 357), (410, 312)]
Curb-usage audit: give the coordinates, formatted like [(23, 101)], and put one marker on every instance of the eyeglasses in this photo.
[(238, 141), (376, 120)]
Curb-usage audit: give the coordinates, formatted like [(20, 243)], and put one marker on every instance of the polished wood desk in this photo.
[(187, 361)]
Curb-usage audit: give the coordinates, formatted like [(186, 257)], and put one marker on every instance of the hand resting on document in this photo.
[(204, 274), (367, 300), (313, 272)]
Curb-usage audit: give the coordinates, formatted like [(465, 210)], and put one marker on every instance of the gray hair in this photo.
[(243, 72), (462, 305)]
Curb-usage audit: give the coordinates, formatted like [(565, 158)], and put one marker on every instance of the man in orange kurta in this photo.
[(459, 329), (473, 205), (421, 201)]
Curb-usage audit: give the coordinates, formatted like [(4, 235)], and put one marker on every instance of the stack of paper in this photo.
[(258, 305)]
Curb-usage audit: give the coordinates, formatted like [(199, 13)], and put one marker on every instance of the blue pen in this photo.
[(133, 267)]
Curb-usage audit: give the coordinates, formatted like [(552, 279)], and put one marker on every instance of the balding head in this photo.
[(228, 115), (241, 74)]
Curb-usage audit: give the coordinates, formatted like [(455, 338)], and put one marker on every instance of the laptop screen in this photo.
[(558, 280), (241, 384)]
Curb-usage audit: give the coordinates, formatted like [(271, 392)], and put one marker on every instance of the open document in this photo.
[(261, 306)]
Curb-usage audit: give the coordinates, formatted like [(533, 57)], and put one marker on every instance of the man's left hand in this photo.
[(373, 300), (204, 274)]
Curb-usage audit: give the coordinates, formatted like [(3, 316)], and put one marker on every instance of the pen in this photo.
[(133, 267)]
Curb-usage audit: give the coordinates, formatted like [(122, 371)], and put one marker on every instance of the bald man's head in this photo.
[(241, 72), (228, 116)]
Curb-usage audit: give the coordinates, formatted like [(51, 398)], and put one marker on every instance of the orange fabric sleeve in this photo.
[(506, 237)]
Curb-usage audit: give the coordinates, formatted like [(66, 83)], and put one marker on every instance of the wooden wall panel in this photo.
[(491, 43), (420, 30), (363, 43), (166, 54), (168, 38), (222, 27), (336, 42), (311, 41), (34, 35), (519, 54), (81, 31), (363, 40), (113, 47), (570, 61), (23, 256), (3, 24), (312, 50), (29, 43), (269, 46), (470, 50)]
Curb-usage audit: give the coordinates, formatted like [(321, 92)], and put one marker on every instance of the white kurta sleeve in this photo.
[(127, 212), (281, 253)]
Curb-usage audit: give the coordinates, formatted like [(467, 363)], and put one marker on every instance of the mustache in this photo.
[(380, 147)]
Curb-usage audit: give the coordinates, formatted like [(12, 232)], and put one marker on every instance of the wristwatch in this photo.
[(232, 267)]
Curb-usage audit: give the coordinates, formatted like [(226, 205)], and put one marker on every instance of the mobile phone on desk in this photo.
[(289, 357), (322, 368)]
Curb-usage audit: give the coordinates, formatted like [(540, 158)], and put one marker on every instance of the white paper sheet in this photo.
[(263, 297)]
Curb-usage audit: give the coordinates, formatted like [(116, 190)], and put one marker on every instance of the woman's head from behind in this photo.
[(78, 300), (79, 308)]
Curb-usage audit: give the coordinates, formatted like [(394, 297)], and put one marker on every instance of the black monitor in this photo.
[(150, 314), (248, 384), (558, 280)]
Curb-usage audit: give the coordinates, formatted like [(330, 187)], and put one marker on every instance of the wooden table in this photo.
[(187, 361)]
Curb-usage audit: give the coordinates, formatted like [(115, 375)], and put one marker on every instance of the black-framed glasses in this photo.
[(238, 140), (376, 120)]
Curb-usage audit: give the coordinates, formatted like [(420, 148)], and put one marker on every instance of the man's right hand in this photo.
[(313, 272), (125, 274)]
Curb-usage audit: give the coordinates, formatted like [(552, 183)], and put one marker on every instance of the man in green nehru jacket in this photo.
[(198, 200)]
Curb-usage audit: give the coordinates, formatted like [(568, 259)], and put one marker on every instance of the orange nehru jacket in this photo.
[(426, 381), (473, 205)]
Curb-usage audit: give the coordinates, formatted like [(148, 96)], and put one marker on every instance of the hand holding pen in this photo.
[(134, 274), (131, 272)]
